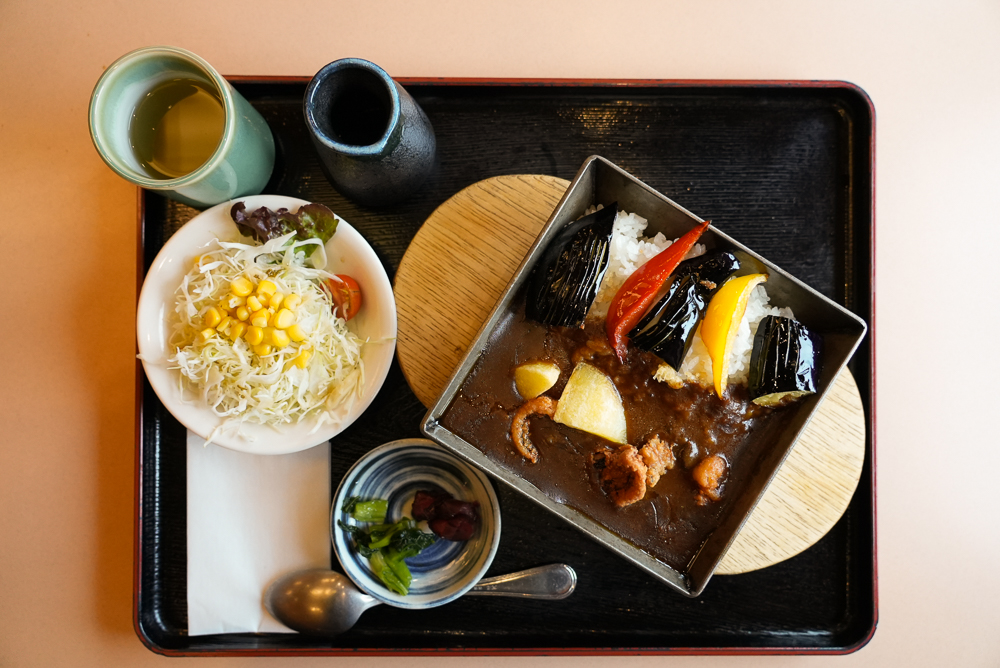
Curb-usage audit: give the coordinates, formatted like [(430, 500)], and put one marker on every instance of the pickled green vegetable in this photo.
[(366, 511), (386, 546)]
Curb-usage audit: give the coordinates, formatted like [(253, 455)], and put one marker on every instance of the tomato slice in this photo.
[(346, 296)]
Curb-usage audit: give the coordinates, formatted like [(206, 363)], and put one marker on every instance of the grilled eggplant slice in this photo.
[(564, 283), (668, 328), (785, 361)]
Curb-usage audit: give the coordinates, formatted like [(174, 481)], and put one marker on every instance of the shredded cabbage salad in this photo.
[(242, 386)]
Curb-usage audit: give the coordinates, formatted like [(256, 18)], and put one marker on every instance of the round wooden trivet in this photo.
[(459, 263)]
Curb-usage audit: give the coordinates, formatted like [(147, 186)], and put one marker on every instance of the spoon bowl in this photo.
[(316, 601), (325, 603)]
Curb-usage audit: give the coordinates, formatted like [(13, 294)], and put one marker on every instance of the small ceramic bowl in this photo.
[(396, 471)]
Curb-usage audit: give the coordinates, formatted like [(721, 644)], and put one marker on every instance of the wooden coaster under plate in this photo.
[(456, 268)]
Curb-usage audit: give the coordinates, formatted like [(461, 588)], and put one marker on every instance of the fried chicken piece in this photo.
[(593, 348), (519, 431), (659, 459), (622, 474), (666, 374), (709, 474)]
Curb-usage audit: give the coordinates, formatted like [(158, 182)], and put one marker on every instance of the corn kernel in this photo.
[(225, 324), (232, 301), (279, 337), (205, 334), (302, 359), (254, 335), (266, 287), (260, 319), (291, 301), (211, 317), (254, 304), (283, 319), (262, 349), (295, 333), (237, 330), (275, 300), (241, 286)]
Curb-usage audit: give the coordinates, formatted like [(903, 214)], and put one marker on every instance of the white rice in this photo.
[(630, 250), (697, 365)]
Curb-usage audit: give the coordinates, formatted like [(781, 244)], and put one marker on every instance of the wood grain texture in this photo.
[(811, 489), (457, 266)]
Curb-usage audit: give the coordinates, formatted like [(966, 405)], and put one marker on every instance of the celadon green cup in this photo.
[(243, 159)]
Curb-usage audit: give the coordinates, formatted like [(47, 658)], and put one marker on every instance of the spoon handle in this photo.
[(551, 582)]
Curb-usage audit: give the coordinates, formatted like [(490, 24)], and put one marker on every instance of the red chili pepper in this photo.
[(636, 295)]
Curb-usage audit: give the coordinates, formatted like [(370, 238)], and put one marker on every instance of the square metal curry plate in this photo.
[(601, 182)]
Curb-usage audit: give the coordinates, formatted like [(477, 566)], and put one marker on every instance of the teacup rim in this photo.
[(136, 177)]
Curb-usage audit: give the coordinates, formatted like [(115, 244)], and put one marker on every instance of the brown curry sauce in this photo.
[(668, 523)]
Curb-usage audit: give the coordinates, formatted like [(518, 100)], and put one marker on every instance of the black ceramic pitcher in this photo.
[(376, 145)]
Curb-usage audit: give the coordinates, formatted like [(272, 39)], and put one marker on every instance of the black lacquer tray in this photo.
[(787, 168)]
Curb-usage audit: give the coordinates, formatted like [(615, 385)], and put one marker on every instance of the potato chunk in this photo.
[(590, 402), (533, 378)]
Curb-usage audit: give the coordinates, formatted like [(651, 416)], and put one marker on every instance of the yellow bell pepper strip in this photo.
[(639, 291), (722, 321)]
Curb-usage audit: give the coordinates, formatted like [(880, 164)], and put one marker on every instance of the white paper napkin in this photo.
[(250, 519)]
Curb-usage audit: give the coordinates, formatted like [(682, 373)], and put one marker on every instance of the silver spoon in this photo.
[(322, 602)]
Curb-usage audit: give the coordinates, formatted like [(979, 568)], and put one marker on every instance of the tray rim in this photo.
[(555, 83)]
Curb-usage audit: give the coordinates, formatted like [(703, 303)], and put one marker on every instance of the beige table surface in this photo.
[(68, 287)]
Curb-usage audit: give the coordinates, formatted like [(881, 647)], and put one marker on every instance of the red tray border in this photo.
[(548, 651)]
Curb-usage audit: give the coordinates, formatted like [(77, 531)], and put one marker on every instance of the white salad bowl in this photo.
[(347, 253)]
